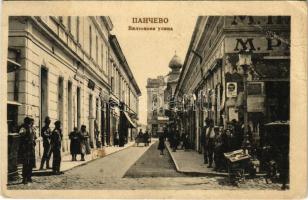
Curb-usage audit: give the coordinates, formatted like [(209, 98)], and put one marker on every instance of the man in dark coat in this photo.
[(75, 138), (46, 133), (27, 149), (161, 143), (203, 140), (56, 139)]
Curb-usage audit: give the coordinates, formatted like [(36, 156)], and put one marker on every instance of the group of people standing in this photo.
[(79, 143), (143, 137), (52, 140), (216, 141), (174, 138), (51, 143)]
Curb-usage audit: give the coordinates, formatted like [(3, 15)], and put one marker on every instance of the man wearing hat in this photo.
[(27, 149), (46, 133), (55, 140), (210, 136)]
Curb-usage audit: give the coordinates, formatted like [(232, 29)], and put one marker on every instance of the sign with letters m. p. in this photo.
[(256, 44)]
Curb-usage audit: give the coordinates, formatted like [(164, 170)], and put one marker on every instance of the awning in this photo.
[(162, 118), (14, 103), (12, 65), (132, 124)]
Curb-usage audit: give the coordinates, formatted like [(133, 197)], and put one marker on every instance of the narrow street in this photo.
[(134, 168)]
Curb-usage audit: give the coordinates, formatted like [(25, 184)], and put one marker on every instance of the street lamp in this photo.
[(245, 62)]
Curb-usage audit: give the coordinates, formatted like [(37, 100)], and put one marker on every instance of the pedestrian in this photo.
[(96, 134), (116, 139), (161, 143), (218, 152), (84, 143), (186, 142), (46, 134), (75, 137), (27, 149), (238, 133), (146, 138), (210, 136), (56, 139), (204, 141), (140, 134)]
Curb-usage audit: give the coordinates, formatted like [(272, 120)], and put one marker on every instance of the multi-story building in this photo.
[(213, 78), (160, 96), (156, 105), (124, 97), (63, 71)]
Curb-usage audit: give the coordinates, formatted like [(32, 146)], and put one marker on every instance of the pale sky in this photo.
[(148, 52)]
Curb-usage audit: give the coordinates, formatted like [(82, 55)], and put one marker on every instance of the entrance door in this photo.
[(60, 99), (91, 120), (103, 123)]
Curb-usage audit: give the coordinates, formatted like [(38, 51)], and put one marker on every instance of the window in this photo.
[(61, 19), (96, 48), (69, 24), (102, 56), (112, 84), (90, 41), (77, 28), (106, 65)]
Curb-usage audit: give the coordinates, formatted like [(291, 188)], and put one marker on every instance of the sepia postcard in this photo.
[(154, 99)]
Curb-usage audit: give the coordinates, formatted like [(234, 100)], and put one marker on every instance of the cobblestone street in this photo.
[(135, 168)]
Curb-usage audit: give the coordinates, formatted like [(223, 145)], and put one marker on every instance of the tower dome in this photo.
[(175, 63)]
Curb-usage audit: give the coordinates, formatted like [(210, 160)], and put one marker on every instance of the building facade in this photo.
[(124, 97), (211, 82), (156, 105), (160, 107), (64, 72)]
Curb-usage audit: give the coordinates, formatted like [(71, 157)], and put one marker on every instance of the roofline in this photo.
[(117, 48), (107, 21), (193, 37)]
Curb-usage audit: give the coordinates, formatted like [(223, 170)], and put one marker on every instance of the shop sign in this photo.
[(257, 21), (255, 103), (231, 89), (257, 44)]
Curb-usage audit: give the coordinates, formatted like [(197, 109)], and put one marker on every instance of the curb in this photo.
[(192, 173), (88, 161)]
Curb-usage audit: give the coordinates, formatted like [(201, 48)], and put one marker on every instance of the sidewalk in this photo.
[(67, 163), (192, 163)]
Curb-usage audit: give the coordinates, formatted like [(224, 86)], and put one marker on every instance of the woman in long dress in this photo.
[(75, 143), (84, 143)]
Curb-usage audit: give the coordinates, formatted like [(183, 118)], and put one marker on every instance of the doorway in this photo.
[(60, 99), (69, 107), (44, 95)]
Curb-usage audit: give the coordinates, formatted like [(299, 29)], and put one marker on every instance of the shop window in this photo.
[(12, 118), (255, 89)]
